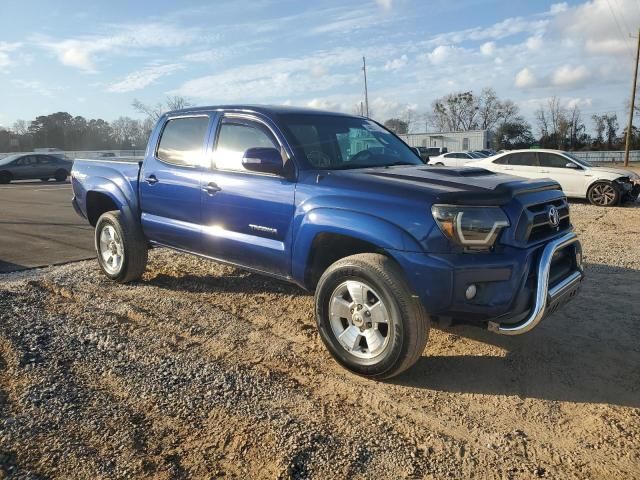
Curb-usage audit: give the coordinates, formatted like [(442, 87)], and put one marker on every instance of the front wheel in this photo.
[(367, 317), (603, 194), (121, 248)]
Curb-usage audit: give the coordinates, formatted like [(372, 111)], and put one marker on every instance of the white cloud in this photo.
[(569, 76), (35, 86), (386, 4), (525, 78), (534, 43), (488, 49), (593, 24), (143, 78), (277, 78), (503, 29), (557, 8), (441, 54), (579, 102), (5, 49), (81, 52), (396, 63)]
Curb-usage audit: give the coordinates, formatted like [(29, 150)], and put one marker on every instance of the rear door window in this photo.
[(182, 141), (523, 159)]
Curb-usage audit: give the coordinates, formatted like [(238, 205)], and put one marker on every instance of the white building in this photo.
[(454, 141)]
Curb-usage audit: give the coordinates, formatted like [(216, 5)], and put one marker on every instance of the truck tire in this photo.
[(368, 318), (121, 248), (603, 194)]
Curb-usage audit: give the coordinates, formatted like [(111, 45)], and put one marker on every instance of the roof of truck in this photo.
[(264, 109)]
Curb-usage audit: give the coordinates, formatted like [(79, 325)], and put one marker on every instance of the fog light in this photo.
[(470, 292)]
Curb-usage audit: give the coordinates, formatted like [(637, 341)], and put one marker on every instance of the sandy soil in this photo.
[(203, 371)]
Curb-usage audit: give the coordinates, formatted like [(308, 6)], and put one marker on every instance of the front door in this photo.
[(571, 179), (522, 164), (170, 183), (246, 216)]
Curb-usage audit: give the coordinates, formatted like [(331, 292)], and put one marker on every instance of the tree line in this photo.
[(67, 132), (556, 125)]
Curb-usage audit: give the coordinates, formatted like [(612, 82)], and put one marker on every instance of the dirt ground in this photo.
[(203, 371)]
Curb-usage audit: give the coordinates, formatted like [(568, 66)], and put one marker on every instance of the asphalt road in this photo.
[(38, 226)]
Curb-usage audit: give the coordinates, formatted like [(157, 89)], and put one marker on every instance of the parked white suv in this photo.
[(602, 186)]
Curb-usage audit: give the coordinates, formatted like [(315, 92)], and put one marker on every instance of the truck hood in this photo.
[(619, 172), (475, 186)]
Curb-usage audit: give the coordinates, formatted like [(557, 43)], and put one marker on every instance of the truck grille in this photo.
[(535, 225)]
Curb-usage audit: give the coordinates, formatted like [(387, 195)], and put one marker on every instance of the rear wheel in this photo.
[(121, 248), (5, 177), (439, 164), (61, 175), (367, 317), (603, 194)]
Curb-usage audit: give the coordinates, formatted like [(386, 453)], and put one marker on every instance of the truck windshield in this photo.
[(333, 142)]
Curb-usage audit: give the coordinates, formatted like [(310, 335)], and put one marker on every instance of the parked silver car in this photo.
[(28, 166)]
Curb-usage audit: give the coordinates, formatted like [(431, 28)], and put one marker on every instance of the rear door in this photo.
[(246, 216), (46, 166), (170, 182)]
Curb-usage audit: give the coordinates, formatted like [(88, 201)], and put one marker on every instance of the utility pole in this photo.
[(366, 93), (633, 100)]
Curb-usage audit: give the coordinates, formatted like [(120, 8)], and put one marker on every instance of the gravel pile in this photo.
[(204, 371)]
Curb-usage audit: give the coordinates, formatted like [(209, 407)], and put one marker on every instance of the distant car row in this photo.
[(28, 166), (602, 186)]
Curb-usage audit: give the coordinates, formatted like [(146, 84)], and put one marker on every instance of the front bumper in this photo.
[(516, 287), (547, 298)]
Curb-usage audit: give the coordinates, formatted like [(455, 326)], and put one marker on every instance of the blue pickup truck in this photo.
[(341, 206)]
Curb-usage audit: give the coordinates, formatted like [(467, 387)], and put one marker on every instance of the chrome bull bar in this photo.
[(546, 299)]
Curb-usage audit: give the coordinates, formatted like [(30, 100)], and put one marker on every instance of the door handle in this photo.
[(151, 179), (211, 188)]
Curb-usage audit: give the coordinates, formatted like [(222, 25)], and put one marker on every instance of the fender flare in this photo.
[(119, 197), (361, 226)]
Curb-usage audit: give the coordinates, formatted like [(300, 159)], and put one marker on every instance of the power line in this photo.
[(624, 22), (615, 18)]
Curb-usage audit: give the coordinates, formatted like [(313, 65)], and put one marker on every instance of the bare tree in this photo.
[(553, 123), (599, 126), (466, 111), (154, 112), (611, 123), (20, 127)]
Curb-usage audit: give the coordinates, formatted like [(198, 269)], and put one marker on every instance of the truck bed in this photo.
[(118, 177)]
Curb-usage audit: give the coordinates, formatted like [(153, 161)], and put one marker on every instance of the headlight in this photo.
[(471, 227)]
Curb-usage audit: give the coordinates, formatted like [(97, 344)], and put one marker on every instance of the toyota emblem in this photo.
[(553, 216)]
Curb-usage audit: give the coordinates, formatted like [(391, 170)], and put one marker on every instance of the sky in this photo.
[(94, 58)]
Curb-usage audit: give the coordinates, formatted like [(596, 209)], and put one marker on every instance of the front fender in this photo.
[(368, 228)]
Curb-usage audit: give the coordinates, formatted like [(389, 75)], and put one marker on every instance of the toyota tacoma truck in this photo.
[(338, 205)]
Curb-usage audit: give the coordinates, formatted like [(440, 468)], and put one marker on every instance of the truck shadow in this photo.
[(587, 352)]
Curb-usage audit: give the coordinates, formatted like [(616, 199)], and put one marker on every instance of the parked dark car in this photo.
[(27, 166), (428, 152)]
